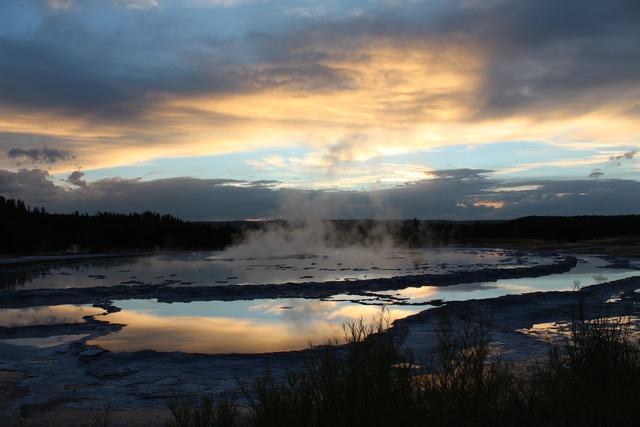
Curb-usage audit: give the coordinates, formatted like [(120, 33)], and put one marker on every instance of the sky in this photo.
[(303, 109)]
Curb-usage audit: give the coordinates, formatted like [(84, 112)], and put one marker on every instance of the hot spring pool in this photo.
[(270, 324), (217, 268)]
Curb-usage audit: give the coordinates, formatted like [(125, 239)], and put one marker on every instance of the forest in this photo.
[(562, 229), (26, 230)]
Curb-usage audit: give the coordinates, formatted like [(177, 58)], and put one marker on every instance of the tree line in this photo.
[(560, 229), (26, 230)]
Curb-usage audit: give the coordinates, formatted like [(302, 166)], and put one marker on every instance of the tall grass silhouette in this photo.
[(592, 377)]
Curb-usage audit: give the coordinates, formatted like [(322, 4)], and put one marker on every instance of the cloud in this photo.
[(76, 179), (462, 194), (346, 84), (521, 47), (352, 82), (57, 4), (264, 183), (559, 57), (463, 198), (345, 150), (30, 185), (614, 162), (188, 198), (460, 174), (596, 173), (576, 197), (40, 155), (626, 156), (138, 4)]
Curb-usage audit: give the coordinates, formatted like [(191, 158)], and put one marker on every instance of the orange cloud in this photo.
[(392, 98)]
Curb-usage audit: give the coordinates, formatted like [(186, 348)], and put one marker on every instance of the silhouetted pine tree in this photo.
[(24, 231)]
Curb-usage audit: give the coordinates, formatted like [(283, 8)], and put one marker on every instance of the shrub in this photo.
[(593, 377), (467, 386), (207, 413), (369, 383)]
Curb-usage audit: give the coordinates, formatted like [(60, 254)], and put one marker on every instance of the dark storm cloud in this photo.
[(40, 155)]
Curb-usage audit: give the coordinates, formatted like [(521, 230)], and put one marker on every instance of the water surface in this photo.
[(215, 268), (269, 325)]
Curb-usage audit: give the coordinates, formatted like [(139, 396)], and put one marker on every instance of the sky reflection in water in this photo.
[(234, 327), (289, 324), (216, 268), (275, 325), (46, 315), (588, 272)]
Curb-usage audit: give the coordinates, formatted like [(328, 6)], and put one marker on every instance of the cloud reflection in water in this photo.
[(46, 315), (276, 325)]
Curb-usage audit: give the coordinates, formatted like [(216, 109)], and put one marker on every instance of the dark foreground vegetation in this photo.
[(26, 231), (590, 379)]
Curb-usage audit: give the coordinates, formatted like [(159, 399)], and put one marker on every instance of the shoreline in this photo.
[(74, 378), (314, 290)]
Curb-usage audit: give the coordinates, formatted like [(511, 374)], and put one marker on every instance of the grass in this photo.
[(592, 378)]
